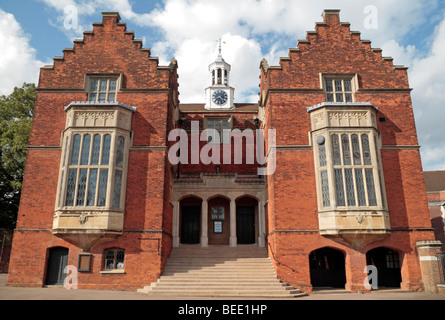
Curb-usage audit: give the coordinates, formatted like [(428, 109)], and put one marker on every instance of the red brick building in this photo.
[(344, 188), (435, 188)]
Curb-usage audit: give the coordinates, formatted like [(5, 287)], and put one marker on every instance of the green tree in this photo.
[(16, 112)]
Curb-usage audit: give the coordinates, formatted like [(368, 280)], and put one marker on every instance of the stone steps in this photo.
[(220, 271)]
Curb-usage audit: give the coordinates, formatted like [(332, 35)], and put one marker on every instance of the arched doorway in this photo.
[(190, 220), (387, 262), (327, 268), (246, 220), (57, 262)]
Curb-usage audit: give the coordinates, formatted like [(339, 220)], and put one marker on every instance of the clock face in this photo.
[(220, 97)]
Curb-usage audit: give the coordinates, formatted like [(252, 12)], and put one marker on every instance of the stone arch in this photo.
[(327, 268), (388, 264)]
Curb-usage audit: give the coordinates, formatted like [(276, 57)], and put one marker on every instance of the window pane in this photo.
[(120, 152), (330, 97), (103, 182), (211, 124), (325, 189), (346, 150), (350, 187), (360, 188), (113, 84), (109, 260), (92, 183), (338, 86), (82, 187), (71, 188), (348, 86), (112, 97), (214, 213), (86, 150), (329, 87), (221, 213), (366, 150), (339, 97), (102, 97), (218, 125), (322, 153), (94, 85), (348, 97), (340, 191), (76, 149), (371, 188), (117, 189), (106, 151), (356, 150), (336, 150), (93, 97), (103, 85), (225, 124), (96, 149), (120, 259)]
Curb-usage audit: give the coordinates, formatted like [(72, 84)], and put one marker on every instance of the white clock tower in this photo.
[(219, 96)]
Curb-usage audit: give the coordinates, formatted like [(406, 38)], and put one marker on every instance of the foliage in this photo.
[(16, 112)]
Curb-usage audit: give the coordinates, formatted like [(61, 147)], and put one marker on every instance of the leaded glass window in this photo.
[(339, 90), (325, 189), (114, 259), (361, 193), (339, 186), (322, 154), (117, 189), (89, 171), (120, 152), (336, 149), (103, 90), (353, 171)]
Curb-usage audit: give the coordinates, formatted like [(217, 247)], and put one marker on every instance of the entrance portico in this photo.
[(230, 206)]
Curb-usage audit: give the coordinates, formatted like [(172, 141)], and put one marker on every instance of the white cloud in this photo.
[(428, 80), (254, 29), (18, 63)]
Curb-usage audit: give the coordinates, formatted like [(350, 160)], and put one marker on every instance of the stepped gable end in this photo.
[(108, 49)]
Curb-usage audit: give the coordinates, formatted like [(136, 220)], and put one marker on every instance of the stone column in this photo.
[(233, 239), (175, 222), (430, 265), (204, 224)]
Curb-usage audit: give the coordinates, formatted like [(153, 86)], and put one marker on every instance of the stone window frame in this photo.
[(113, 168), (330, 169), (326, 128), (88, 82), (352, 77)]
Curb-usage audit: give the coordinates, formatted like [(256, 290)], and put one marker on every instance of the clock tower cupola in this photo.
[(219, 95)]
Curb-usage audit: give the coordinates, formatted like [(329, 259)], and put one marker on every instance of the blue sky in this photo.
[(33, 32)]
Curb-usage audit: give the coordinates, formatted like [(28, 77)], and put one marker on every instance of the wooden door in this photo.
[(245, 225), (190, 231), (57, 261)]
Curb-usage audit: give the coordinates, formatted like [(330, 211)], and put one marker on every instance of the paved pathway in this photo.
[(15, 293)]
